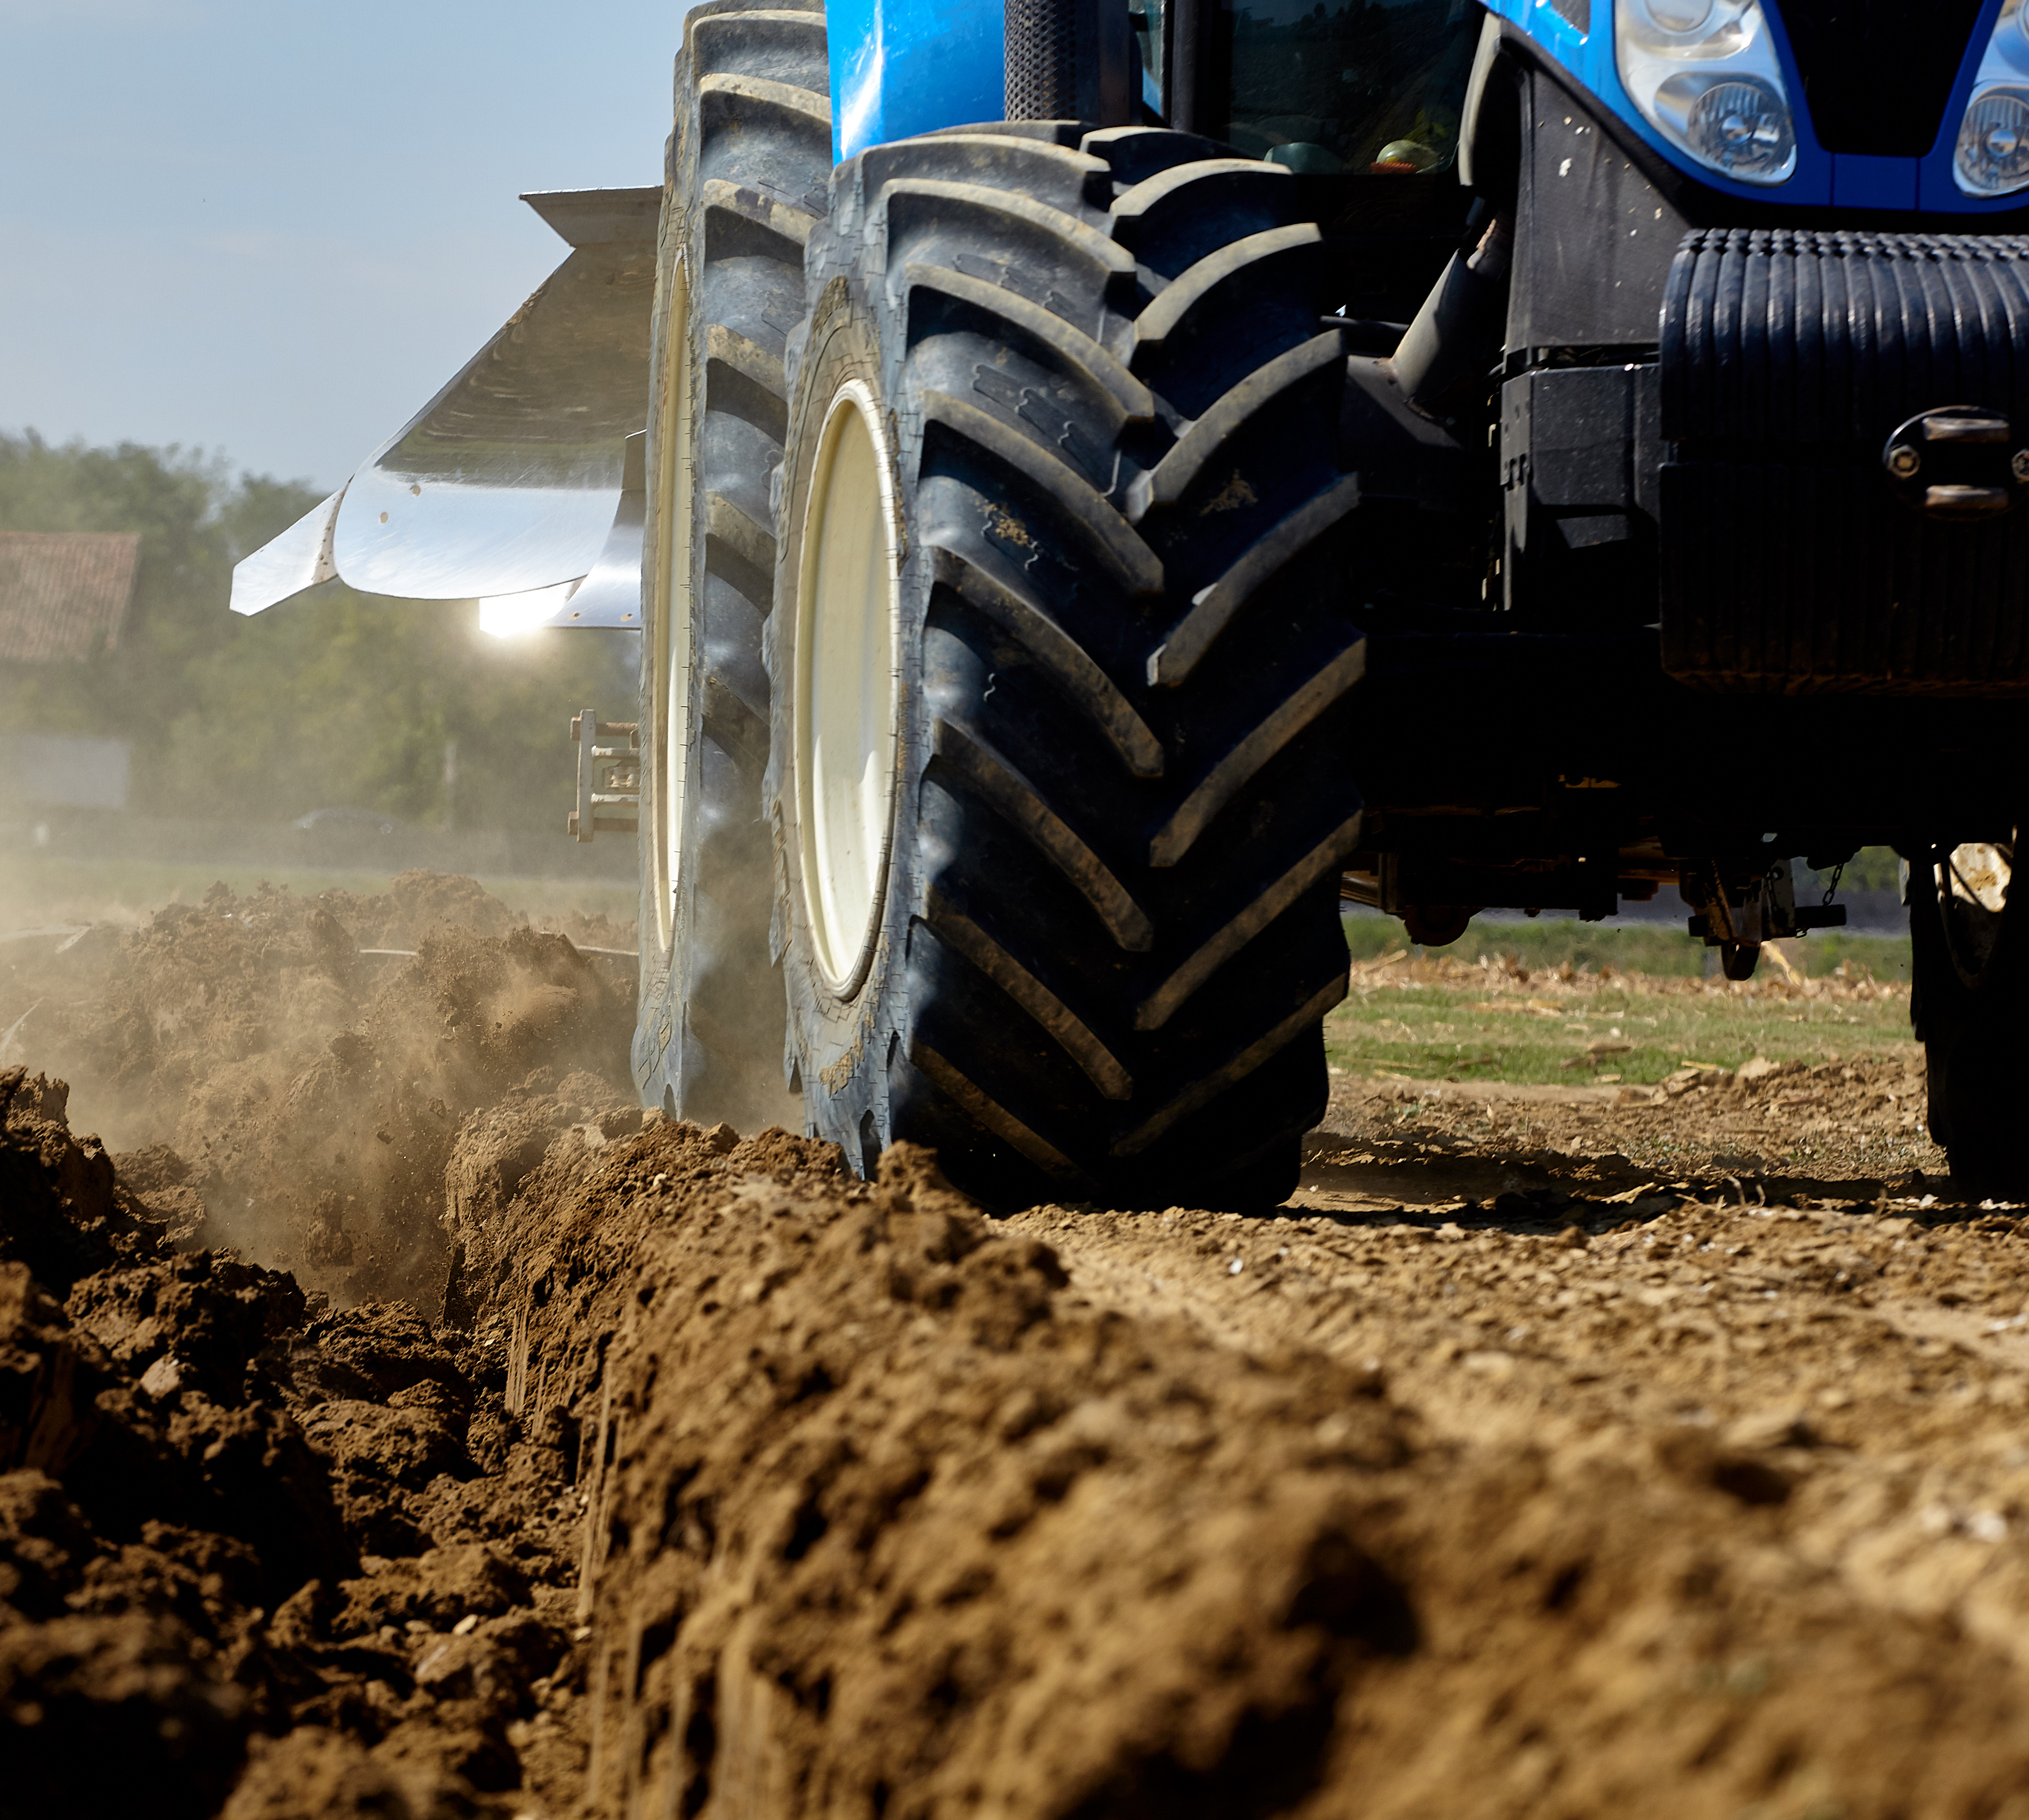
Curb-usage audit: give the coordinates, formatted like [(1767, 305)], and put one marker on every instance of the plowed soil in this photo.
[(395, 1421)]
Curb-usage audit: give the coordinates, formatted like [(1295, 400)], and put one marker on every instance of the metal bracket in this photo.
[(609, 776), (1767, 911), (1961, 462)]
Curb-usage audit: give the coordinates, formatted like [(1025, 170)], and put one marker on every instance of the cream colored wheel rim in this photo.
[(672, 653), (846, 711)]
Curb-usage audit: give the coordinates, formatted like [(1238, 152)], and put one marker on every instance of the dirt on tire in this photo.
[(624, 1467)]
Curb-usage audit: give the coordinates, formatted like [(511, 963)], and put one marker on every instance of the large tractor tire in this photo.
[(1970, 1006), (748, 163), (1062, 668)]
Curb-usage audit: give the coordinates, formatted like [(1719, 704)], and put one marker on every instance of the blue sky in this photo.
[(273, 230)]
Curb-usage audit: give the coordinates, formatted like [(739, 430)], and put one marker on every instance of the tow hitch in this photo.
[(1737, 922), (609, 776)]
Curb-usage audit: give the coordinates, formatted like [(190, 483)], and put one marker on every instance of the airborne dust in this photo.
[(396, 1421)]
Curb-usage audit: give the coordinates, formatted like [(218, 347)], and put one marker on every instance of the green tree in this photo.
[(347, 698)]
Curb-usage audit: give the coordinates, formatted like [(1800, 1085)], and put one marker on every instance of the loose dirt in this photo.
[(395, 1421)]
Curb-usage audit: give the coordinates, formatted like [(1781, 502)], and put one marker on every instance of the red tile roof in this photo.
[(63, 594)]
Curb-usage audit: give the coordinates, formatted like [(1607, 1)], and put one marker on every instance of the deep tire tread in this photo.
[(1214, 609), (1015, 232), (1018, 803), (1170, 317), (1323, 861), (1181, 215), (740, 222), (1052, 175), (749, 168), (1133, 565), (1240, 764), (1322, 357), (1214, 1081), (1084, 682), (1076, 351), (970, 938), (1124, 920)]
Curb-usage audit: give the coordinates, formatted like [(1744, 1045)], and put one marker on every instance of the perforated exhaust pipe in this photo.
[(1070, 60)]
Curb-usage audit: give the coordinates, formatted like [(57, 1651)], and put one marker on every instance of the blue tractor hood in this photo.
[(1877, 89), (903, 67)]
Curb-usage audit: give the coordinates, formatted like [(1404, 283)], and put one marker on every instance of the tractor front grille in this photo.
[(1877, 73)]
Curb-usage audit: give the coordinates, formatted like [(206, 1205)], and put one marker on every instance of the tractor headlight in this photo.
[(1705, 74), (1992, 156)]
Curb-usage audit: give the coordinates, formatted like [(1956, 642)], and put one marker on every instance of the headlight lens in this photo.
[(1677, 17), (1705, 74), (1741, 128), (1992, 156), (1993, 143)]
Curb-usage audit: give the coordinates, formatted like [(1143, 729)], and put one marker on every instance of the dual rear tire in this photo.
[(996, 672), (749, 162), (1061, 670)]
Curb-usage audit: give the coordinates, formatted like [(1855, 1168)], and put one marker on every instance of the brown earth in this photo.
[(293, 1072), (581, 1463)]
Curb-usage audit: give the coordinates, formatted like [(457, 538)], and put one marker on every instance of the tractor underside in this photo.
[(1647, 606)]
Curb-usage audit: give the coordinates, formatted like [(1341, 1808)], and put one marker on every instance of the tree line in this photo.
[(349, 699)]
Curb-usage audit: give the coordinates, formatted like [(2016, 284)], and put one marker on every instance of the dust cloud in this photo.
[(286, 1076)]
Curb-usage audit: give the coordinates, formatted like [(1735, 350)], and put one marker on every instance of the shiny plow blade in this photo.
[(523, 474)]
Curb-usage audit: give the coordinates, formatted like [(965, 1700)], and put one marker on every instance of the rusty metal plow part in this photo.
[(1979, 872), (518, 477)]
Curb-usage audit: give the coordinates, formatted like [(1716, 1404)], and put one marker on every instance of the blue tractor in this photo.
[(1100, 486)]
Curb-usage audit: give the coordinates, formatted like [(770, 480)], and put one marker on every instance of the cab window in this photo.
[(1355, 88)]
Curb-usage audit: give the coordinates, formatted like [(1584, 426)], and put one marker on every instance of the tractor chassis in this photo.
[(1541, 770)]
